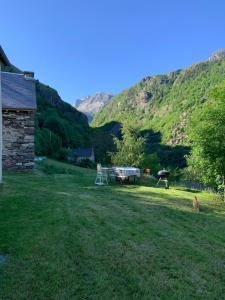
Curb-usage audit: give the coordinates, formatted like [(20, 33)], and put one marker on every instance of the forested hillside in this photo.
[(164, 103), (58, 124)]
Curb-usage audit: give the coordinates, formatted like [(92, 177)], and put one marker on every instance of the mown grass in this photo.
[(65, 238)]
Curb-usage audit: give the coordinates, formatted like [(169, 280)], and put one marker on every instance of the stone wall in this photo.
[(18, 140)]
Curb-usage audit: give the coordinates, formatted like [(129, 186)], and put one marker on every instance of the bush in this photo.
[(175, 174), (61, 155), (152, 162), (50, 168), (46, 143), (87, 163)]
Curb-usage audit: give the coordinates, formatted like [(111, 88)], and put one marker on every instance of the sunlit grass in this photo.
[(65, 238)]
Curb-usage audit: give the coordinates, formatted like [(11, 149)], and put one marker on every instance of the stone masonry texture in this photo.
[(18, 140)]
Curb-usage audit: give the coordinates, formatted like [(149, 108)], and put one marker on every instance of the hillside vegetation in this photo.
[(164, 103), (62, 237), (58, 124)]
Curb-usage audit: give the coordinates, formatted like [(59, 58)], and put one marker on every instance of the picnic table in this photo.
[(121, 174), (126, 173)]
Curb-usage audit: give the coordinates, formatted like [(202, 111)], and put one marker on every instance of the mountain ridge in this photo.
[(165, 102), (90, 105)]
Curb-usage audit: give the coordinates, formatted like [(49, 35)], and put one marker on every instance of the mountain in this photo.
[(90, 105), (164, 103), (217, 55)]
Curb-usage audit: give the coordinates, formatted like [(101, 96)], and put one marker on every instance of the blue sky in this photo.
[(83, 46)]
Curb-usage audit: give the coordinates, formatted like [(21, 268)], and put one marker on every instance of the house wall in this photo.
[(18, 140)]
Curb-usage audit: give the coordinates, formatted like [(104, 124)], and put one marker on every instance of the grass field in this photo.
[(65, 238)]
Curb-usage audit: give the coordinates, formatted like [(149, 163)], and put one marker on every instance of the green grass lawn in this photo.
[(65, 238)]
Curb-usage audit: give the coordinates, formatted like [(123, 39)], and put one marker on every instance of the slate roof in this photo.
[(18, 92), (83, 152)]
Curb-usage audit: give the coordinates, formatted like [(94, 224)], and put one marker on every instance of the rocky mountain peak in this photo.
[(90, 105), (217, 55)]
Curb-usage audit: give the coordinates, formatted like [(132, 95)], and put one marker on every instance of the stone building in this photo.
[(18, 107)]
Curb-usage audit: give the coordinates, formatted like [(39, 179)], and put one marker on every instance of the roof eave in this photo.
[(4, 57), (18, 109)]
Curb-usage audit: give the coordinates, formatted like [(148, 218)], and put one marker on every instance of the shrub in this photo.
[(62, 154), (87, 163), (152, 162)]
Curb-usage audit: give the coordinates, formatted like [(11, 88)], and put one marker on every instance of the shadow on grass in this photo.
[(127, 233), (187, 190), (160, 197)]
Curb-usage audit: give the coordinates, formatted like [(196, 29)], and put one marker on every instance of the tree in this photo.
[(152, 161), (207, 133), (47, 143), (130, 150)]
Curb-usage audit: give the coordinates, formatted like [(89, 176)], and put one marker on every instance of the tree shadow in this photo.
[(189, 190), (159, 199), (170, 156), (102, 140)]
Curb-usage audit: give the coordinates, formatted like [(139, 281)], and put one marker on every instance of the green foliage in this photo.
[(47, 143), (130, 150), (62, 154), (152, 162), (175, 174), (87, 163), (165, 103), (50, 167), (58, 125), (207, 161)]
